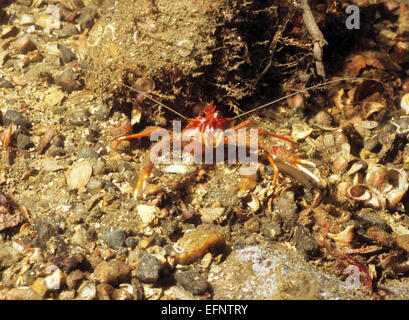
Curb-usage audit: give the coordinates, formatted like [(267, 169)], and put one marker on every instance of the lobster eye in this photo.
[(202, 114)]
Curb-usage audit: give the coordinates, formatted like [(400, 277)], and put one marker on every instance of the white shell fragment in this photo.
[(147, 213), (184, 47), (180, 169), (79, 174)]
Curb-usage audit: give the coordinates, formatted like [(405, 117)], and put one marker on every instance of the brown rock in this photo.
[(74, 279), (403, 242), (23, 45), (193, 245), (112, 272), (104, 291)]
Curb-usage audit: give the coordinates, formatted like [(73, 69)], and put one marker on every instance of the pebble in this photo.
[(22, 294), (112, 272), (23, 45), (67, 31), (102, 113), (55, 151), (67, 80), (148, 269), (73, 262), (79, 118), (98, 168), (260, 272), (104, 291), (146, 213), (26, 19), (94, 185), (87, 291), (55, 280), (66, 54), (23, 142), (74, 279), (39, 287), (88, 153), (86, 17), (192, 281), (6, 84), (13, 116), (115, 239), (131, 242), (195, 244), (8, 256), (213, 215)]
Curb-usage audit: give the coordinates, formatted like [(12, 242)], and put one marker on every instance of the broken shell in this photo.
[(145, 84), (404, 103), (345, 237), (359, 192), (254, 204), (398, 180), (376, 175), (184, 47), (79, 175)]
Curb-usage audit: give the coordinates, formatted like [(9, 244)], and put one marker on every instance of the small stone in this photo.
[(131, 242), (104, 291), (195, 244), (86, 17), (39, 287), (6, 84), (87, 291), (146, 213), (115, 239), (8, 256), (54, 97), (55, 151), (67, 80), (148, 269), (98, 168), (112, 272), (88, 153), (192, 281), (13, 116), (26, 19), (102, 113), (23, 45), (23, 142), (66, 54), (94, 185), (22, 294), (74, 279), (213, 215), (79, 118), (67, 295), (55, 280), (73, 262), (67, 31), (403, 242)]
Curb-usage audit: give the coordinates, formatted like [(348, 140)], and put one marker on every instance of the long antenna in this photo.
[(300, 91), (149, 97)]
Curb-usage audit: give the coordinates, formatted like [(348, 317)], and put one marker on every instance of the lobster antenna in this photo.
[(300, 91), (147, 96)]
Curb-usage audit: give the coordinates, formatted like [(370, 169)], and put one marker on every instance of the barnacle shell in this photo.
[(359, 192), (399, 182)]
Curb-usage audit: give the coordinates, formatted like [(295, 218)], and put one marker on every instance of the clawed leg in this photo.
[(142, 180), (144, 133)]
